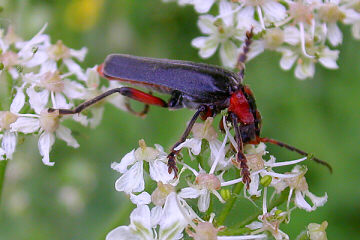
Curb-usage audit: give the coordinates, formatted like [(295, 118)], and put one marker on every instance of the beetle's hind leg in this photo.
[(172, 155), (132, 93)]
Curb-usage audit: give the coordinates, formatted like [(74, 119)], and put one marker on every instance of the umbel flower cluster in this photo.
[(304, 32), (40, 75), (197, 203)]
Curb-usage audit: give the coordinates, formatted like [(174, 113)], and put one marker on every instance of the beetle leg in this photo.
[(240, 156), (125, 91), (240, 65), (173, 153)]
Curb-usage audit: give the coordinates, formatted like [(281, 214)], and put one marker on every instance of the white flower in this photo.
[(268, 11), (9, 138), (47, 124), (47, 55), (132, 179), (352, 16), (174, 218), (317, 231), (11, 59), (54, 87), (203, 186), (261, 168), (270, 222), (305, 66), (221, 31), (206, 131), (301, 188)]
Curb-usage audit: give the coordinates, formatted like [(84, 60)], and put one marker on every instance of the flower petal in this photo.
[(141, 199), (204, 201), (189, 192), (274, 11), (206, 24), (37, 100), (334, 34), (45, 143), (193, 143), (288, 58), (127, 160), (25, 125), (140, 219), (203, 6), (173, 220), (300, 201), (132, 180), (65, 134), (75, 68), (305, 69), (18, 101), (9, 143), (228, 54), (328, 58), (122, 233), (156, 214), (159, 172)]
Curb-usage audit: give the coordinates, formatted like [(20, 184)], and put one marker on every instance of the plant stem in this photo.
[(230, 203), (3, 165)]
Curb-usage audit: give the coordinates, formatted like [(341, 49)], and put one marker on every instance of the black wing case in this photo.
[(200, 81)]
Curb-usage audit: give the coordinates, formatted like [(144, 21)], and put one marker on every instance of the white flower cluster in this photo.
[(43, 75), (166, 212), (304, 32)]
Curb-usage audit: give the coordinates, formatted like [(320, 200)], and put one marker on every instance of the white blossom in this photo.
[(173, 221), (47, 124), (132, 179)]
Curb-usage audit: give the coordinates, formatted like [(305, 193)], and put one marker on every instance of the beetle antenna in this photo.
[(243, 56), (294, 149)]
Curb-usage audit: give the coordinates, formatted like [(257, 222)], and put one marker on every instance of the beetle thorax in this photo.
[(239, 105)]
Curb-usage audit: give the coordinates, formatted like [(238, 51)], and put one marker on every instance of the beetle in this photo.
[(206, 88)]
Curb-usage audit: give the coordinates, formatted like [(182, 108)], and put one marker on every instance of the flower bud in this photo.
[(266, 180), (225, 194)]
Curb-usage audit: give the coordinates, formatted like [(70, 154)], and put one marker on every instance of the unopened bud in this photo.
[(266, 180), (225, 194)]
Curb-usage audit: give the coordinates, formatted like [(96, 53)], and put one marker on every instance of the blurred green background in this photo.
[(76, 198)]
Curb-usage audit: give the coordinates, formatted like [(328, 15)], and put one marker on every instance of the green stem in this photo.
[(3, 165), (230, 203)]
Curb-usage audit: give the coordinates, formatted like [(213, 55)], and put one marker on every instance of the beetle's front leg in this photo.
[(172, 155), (240, 156)]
